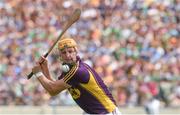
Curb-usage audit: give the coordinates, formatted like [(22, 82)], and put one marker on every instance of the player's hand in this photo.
[(36, 69), (43, 62)]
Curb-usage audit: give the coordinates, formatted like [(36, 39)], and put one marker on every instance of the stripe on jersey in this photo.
[(93, 87), (71, 73)]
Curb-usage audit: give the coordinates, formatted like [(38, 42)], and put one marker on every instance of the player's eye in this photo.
[(63, 52), (70, 51)]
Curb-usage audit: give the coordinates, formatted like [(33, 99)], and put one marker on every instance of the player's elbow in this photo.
[(54, 91), (50, 89), (52, 94)]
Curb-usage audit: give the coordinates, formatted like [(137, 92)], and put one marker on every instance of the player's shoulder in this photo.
[(82, 69)]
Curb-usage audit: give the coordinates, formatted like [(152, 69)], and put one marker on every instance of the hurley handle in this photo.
[(31, 74)]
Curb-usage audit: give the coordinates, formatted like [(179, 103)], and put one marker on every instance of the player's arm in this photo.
[(52, 87), (44, 67)]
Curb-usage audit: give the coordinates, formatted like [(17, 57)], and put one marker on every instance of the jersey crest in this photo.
[(74, 92)]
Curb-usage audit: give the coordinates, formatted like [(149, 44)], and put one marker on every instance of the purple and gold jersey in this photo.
[(88, 90)]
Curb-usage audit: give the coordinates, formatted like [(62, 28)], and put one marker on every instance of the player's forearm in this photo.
[(48, 85), (53, 87), (47, 73)]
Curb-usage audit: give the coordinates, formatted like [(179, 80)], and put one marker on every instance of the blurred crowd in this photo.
[(133, 44)]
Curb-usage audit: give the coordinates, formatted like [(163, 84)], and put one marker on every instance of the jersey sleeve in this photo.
[(77, 75)]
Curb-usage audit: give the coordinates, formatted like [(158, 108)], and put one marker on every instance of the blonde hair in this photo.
[(67, 43)]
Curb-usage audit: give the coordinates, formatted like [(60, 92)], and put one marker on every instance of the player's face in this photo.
[(68, 55)]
